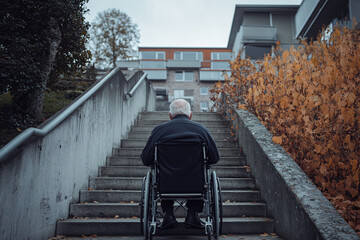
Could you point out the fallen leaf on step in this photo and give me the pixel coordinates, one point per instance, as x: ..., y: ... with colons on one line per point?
x: 277, y: 139
x: 96, y: 202
x: 264, y: 235
x: 116, y: 216
x: 57, y: 237
x: 90, y: 189
x: 92, y: 236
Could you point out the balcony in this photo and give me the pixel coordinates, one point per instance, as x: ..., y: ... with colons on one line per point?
x: 213, y: 76
x: 183, y: 64
x: 258, y: 34
x: 154, y: 75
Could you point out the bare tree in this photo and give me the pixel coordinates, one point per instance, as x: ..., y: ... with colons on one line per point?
x: 113, y: 36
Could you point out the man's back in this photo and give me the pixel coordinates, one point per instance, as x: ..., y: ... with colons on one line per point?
x: 177, y: 126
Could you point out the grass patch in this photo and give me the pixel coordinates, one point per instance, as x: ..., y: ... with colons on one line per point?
x: 53, y: 102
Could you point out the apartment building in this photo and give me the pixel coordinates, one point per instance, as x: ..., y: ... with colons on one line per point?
x: 257, y: 28
x: 314, y: 14
x: 187, y: 73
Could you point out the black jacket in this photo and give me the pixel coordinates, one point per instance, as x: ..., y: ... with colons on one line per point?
x: 179, y: 124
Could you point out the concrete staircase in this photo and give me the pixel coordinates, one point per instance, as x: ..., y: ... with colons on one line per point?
x: 110, y: 207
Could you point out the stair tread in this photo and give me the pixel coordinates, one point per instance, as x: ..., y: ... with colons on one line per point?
x: 136, y: 220
x: 137, y: 204
x: 138, y: 190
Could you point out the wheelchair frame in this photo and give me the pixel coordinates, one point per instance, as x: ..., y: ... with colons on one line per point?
x: 150, y: 197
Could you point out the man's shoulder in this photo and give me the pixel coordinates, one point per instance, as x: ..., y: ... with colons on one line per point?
x: 179, y: 122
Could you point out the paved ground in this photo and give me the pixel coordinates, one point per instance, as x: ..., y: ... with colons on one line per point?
x: 227, y: 237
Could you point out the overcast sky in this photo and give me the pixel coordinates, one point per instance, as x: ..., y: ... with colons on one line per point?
x: 179, y: 23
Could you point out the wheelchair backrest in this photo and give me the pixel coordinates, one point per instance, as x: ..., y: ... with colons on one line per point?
x: 180, y: 162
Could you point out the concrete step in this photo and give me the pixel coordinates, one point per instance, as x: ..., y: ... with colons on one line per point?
x: 135, y: 183
x: 135, y: 152
x: 224, y: 136
x: 140, y: 171
x: 212, y: 129
x: 262, y: 236
x: 140, y: 143
x: 136, y: 161
x: 123, y: 226
x: 116, y: 196
x: 124, y: 210
x: 196, y: 116
x: 206, y: 123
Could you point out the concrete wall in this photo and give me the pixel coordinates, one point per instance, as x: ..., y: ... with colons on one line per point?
x: 299, y: 209
x: 39, y: 182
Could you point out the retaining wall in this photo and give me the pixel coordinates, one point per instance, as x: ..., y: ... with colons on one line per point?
x: 299, y: 209
x: 38, y: 183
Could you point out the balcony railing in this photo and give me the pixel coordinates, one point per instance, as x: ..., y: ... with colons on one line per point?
x: 258, y: 34
x: 213, y: 75
x: 156, y: 74
x: 183, y: 64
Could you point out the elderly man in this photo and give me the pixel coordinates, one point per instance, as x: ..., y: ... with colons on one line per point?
x: 180, y: 115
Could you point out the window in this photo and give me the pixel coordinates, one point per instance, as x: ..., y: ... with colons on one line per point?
x: 161, y: 91
x: 184, y: 76
x: 188, y: 56
x: 220, y: 55
x: 203, y: 90
x: 152, y: 55
x: 156, y: 74
x: 181, y: 93
x: 153, y: 64
x: 220, y: 65
x: 204, y: 106
x: 257, y: 52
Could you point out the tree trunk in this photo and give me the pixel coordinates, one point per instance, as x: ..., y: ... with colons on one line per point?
x: 36, y: 98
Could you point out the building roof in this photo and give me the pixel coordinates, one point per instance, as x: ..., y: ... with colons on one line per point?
x: 240, y: 9
x: 183, y: 48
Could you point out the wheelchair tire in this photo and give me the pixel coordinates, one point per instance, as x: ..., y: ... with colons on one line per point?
x: 215, y: 205
x: 142, y: 207
x: 150, y: 233
x: 144, y: 221
x: 208, y: 232
x: 220, y: 207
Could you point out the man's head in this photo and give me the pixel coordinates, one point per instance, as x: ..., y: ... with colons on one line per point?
x: 180, y: 107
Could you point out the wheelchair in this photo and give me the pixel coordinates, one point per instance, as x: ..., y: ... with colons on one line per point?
x: 180, y: 172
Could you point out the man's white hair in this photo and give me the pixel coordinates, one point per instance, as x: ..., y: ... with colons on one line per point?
x: 180, y: 107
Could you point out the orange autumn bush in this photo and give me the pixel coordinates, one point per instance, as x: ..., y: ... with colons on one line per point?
x: 309, y: 99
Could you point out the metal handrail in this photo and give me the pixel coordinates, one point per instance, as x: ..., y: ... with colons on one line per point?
x: 29, y: 133
x: 131, y: 93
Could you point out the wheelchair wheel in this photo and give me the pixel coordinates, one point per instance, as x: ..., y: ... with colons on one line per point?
x: 220, y: 207
x: 142, y: 207
x: 208, y: 232
x: 145, y: 210
x: 150, y: 233
x: 216, y: 205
